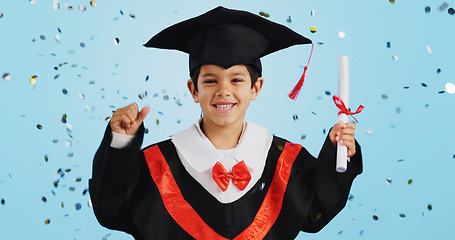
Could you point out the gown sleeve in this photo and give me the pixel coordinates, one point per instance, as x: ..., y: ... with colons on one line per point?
x: 116, y: 173
x: 331, y: 188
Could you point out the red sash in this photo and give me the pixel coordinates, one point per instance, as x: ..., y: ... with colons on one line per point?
x: 189, y: 219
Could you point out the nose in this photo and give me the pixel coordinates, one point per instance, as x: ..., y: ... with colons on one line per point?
x: 224, y: 89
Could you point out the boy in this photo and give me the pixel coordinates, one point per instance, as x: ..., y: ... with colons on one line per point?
x: 224, y: 177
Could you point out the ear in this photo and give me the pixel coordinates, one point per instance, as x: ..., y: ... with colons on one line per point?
x: 193, y: 92
x: 257, y: 88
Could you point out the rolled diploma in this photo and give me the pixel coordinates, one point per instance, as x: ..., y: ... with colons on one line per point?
x: 343, y: 93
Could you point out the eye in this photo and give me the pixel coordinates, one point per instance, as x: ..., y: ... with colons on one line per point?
x: 209, y: 81
x: 237, y: 80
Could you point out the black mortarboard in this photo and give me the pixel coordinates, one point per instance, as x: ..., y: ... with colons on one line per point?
x: 226, y: 37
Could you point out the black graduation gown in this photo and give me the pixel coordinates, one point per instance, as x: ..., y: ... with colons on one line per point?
x: 126, y: 198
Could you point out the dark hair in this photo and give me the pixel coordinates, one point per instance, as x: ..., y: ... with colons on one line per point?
x: 252, y: 70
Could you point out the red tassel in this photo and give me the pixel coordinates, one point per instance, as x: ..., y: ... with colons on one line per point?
x: 295, y: 92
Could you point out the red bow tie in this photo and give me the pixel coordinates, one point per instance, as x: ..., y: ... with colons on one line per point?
x: 240, y: 175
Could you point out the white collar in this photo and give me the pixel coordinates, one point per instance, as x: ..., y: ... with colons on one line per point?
x: 202, y: 155
x: 198, y: 156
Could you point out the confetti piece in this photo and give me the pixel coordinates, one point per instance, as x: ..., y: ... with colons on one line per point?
x: 430, y: 207
x: 82, y: 45
x: 84, y: 192
x: 64, y: 118
x: 328, y: 93
x: 395, y: 58
x: 388, y: 181
x: 47, y: 221
x: 388, y: 44
x: 354, y: 220
x: 429, y: 49
x: 451, y: 11
x: 81, y: 95
x: 289, y: 19
x: 443, y: 6
x: 3, y: 202
x: 424, y: 85
x: 303, y: 137
x: 402, y: 215
x: 438, y: 70
x: 427, y: 9
x: 313, y: 29
x: 280, y: 147
x: 93, y: 3
x: 368, y: 131
x: 72, y: 189
x: 392, y: 1
x: 312, y: 12
x: 7, y: 76
x: 450, y: 88
x: 56, y: 5
x: 69, y: 7
x: 375, y: 217
x: 384, y: 96
x: 132, y: 15
x: 264, y: 14
x: 341, y: 34
x: 165, y: 97
x: 32, y: 2
x: 46, y: 158
x: 39, y: 126
x: 295, y: 117
x: 68, y: 143
x: 44, y: 199
x: 82, y: 8
x: 33, y: 79
x: 1, y: 14
x: 64, y: 91
x: 78, y: 179
x: 116, y: 41
x: 42, y: 37
x: 410, y: 181
x: 78, y: 206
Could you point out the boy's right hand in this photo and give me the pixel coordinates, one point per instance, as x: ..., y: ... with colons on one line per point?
x: 127, y: 120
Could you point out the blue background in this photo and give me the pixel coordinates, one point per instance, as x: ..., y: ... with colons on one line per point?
x: 406, y: 130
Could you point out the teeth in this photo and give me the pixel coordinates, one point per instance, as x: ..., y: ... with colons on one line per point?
x: 224, y: 107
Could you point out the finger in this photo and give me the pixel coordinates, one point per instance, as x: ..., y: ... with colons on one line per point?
x: 141, y: 116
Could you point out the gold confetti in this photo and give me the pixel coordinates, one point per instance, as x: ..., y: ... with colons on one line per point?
x: 264, y: 14
x: 313, y: 29
x: 33, y: 79
x: 47, y: 221
x: 132, y: 15
x: 280, y: 148
x: 93, y: 3
x: 410, y: 181
x: 430, y: 207
x: 392, y: 1
x: 78, y: 179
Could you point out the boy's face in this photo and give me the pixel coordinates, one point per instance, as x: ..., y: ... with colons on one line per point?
x: 224, y: 94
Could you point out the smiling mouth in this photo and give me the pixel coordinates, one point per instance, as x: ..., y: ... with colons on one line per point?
x: 224, y: 106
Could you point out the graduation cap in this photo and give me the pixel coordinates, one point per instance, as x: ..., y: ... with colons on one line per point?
x: 226, y: 37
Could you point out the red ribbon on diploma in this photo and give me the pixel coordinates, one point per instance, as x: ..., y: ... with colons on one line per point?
x: 343, y: 109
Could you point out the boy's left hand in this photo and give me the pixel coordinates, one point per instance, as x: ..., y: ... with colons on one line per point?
x: 344, y: 134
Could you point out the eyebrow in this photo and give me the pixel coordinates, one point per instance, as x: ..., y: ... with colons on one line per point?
x: 235, y: 73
